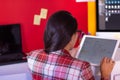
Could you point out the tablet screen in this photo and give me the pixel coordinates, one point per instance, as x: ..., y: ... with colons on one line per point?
x: 94, y: 49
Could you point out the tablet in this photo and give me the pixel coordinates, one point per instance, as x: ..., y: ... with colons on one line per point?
x: 93, y: 49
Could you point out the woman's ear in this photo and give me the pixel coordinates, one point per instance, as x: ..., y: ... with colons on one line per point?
x: 72, y: 42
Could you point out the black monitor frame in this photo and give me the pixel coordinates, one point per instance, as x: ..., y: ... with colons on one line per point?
x: 18, y: 55
x: 97, y: 20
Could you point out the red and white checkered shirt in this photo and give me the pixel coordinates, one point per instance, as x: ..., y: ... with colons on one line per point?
x: 58, y: 65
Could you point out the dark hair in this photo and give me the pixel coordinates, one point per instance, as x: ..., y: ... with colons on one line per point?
x: 59, y: 30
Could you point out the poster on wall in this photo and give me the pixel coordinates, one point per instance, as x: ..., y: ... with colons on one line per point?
x: 38, y: 17
x: 84, y: 0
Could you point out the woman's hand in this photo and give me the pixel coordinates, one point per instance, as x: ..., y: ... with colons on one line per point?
x: 106, y: 67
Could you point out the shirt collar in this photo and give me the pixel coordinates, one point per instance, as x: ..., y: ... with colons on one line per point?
x: 62, y: 52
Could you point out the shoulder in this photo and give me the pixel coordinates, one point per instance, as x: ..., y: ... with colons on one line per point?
x: 34, y: 57
x: 35, y: 52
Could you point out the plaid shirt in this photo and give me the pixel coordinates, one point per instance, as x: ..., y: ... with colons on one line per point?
x: 58, y: 65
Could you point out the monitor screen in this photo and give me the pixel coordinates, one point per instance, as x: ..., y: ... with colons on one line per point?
x: 108, y: 15
x: 10, y: 43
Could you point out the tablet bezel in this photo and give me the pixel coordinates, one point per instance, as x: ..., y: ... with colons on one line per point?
x: 90, y: 36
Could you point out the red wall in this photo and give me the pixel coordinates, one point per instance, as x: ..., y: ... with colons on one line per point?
x: 23, y: 11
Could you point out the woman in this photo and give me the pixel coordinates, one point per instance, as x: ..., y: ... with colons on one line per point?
x: 57, y: 61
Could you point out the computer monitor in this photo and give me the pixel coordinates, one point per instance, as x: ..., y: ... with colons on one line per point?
x: 108, y: 18
x: 10, y: 43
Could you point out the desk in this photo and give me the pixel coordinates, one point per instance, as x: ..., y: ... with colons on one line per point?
x: 18, y: 71
x: 116, y: 71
